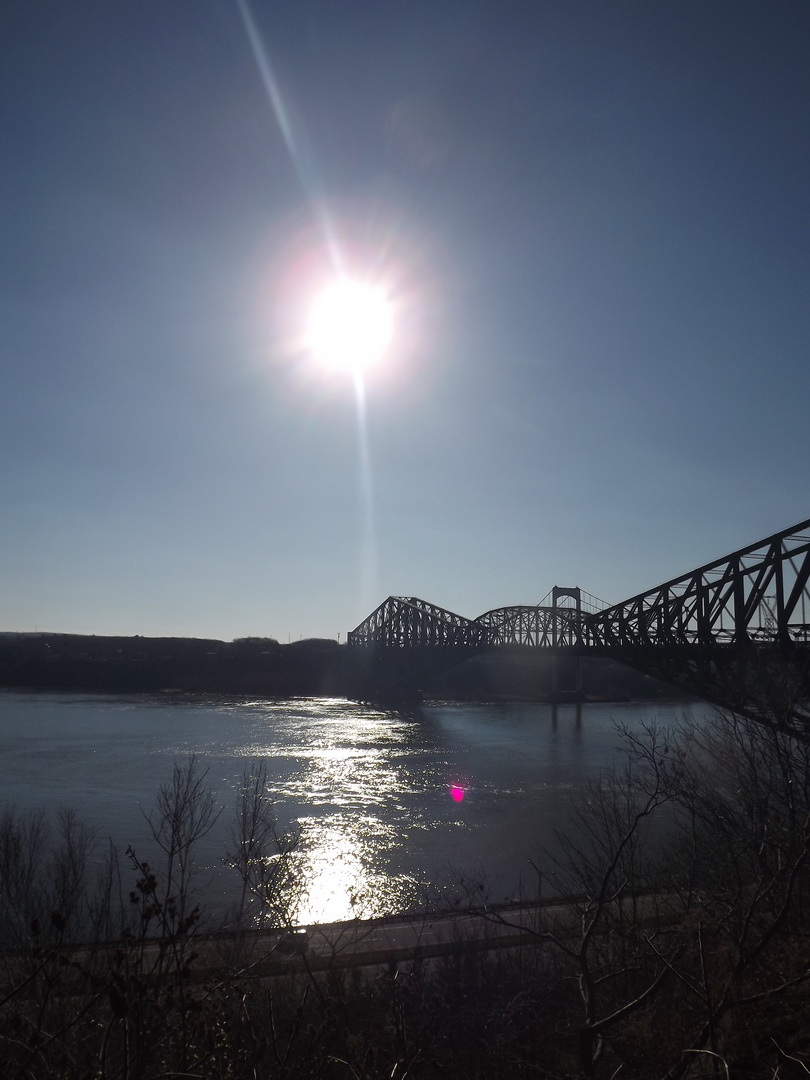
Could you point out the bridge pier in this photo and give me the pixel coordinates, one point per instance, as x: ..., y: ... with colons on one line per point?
x: 558, y: 694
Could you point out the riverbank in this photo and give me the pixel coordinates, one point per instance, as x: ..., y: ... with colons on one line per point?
x: 311, y: 668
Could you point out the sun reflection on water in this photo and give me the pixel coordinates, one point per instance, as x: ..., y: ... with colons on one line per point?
x: 357, y: 782
x: 336, y: 864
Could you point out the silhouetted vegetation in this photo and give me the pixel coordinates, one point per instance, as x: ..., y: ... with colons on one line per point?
x: 314, y: 667
x: 146, y: 665
x: 682, y: 951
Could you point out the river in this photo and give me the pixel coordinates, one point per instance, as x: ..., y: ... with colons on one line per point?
x: 389, y: 805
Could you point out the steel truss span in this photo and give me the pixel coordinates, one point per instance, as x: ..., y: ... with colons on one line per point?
x: 537, y: 626
x: 757, y: 595
x: 408, y: 622
x: 735, y: 631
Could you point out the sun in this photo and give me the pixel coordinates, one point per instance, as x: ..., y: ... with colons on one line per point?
x: 350, y: 326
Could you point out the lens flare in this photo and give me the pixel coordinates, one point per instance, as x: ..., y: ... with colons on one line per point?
x: 456, y: 792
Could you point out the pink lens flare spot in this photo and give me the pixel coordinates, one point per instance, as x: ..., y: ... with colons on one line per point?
x: 456, y: 792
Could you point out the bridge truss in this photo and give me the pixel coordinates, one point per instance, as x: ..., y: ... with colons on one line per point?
x: 758, y: 594
x: 735, y: 631
x: 408, y: 622
x: 535, y: 626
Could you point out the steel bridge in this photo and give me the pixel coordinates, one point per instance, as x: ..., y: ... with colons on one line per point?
x: 735, y: 631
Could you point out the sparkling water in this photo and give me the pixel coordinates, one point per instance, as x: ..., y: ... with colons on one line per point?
x: 390, y: 806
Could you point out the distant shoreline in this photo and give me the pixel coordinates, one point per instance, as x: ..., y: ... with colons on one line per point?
x: 315, y: 667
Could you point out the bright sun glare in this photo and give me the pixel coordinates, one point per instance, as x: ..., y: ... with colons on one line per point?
x: 350, y: 326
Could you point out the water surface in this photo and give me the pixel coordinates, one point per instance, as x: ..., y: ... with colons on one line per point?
x: 371, y: 791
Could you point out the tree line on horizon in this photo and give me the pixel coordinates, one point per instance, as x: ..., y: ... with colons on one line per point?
x: 316, y: 667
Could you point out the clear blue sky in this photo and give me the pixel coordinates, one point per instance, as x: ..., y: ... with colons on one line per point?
x: 599, y: 213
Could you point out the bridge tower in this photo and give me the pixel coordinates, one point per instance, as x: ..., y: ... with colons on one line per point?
x: 576, y: 594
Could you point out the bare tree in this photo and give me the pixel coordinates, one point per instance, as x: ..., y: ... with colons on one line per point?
x: 741, y: 868
x: 184, y: 812
x: 613, y: 929
x: 261, y: 855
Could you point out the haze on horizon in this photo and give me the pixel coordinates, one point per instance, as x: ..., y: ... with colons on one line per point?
x: 592, y: 224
